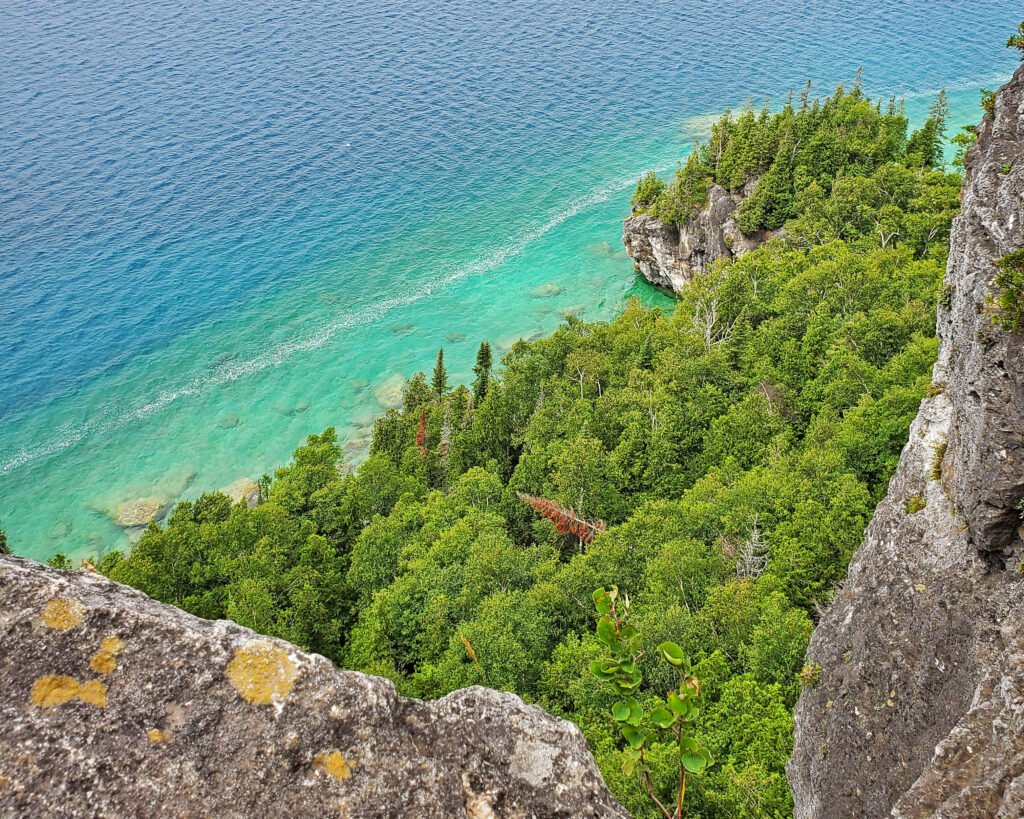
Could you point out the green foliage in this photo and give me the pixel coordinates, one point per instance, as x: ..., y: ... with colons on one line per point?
x: 673, y: 718
x: 482, y: 371
x: 4, y: 548
x: 60, y: 561
x: 988, y: 103
x: 938, y: 456
x: 1017, y: 40
x: 648, y: 189
x: 1007, y: 304
x: 736, y: 449
x: 964, y: 140
x: 914, y: 504
x: 439, y: 381
x: 810, y: 675
x: 788, y: 152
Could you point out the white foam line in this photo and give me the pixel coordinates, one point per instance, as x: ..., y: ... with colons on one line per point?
x: 70, y: 435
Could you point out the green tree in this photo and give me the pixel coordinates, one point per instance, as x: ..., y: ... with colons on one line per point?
x: 439, y: 381
x: 482, y: 371
x: 4, y: 548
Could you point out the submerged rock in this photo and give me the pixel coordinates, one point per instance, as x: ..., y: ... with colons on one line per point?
x: 116, y: 705
x: 391, y: 392
x: 669, y: 255
x: 547, y: 291
x: 243, y: 489
x: 919, y: 711
x: 139, y: 512
x: 229, y: 421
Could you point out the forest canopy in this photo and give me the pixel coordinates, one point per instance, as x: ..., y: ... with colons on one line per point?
x: 732, y: 451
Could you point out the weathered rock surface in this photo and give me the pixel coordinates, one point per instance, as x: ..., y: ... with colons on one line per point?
x: 115, y: 705
x: 919, y: 711
x: 139, y: 512
x: 669, y: 256
x: 243, y: 489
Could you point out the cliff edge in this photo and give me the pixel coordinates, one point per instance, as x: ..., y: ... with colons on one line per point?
x: 919, y: 709
x: 116, y: 705
x: 669, y: 255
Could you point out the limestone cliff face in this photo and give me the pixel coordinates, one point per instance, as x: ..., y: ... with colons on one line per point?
x: 920, y: 706
x: 669, y: 255
x: 115, y: 705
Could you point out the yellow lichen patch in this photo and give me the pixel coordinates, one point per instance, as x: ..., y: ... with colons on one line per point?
x: 93, y: 692
x: 262, y: 672
x: 156, y: 736
x: 334, y: 763
x: 54, y: 690
x: 105, y: 660
x: 62, y: 614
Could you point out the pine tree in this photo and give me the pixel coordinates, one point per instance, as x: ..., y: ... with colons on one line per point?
x: 482, y: 370
x: 440, y: 379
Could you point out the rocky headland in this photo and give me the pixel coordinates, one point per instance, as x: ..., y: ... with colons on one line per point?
x: 670, y: 255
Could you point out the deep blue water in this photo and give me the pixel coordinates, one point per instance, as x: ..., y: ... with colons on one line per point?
x: 215, y: 204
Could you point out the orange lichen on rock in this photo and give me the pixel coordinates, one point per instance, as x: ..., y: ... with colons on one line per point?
x: 62, y: 614
x: 262, y: 672
x: 57, y: 689
x: 93, y: 692
x: 105, y: 660
x: 334, y: 763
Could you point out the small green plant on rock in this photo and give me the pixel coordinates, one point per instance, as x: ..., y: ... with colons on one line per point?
x: 913, y: 504
x: 639, y: 726
x: 810, y: 674
x: 988, y: 103
x: 938, y: 454
x: 648, y: 189
x: 1006, y: 306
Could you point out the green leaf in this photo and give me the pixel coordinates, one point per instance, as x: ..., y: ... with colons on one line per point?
x: 662, y: 717
x: 680, y: 706
x: 606, y: 632
x: 597, y: 668
x: 621, y: 711
x: 694, y: 763
x: 673, y: 653
x: 603, y: 601
x: 636, y: 711
x: 634, y: 737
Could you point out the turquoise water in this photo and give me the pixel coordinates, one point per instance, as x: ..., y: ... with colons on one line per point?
x: 224, y: 227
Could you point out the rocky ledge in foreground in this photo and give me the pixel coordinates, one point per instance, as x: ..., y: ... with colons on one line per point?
x: 670, y: 255
x: 116, y: 705
x: 919, y: 711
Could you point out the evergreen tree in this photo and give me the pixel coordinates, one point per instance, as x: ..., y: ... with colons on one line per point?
x: 440, y: 380
x: 4, y: 548
x: 482, y: 370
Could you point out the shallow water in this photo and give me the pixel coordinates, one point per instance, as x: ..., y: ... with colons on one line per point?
x: 224, y: 226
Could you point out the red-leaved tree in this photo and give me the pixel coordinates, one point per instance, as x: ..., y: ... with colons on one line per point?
x: 566, y: 521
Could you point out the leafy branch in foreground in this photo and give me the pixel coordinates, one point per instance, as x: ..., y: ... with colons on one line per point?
x: 639, y: 726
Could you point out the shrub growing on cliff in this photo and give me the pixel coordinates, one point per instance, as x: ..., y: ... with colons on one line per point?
x: 1007, y: 303
x: 1017, y: 40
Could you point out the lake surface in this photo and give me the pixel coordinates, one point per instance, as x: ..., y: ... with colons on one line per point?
x: 224, y: 225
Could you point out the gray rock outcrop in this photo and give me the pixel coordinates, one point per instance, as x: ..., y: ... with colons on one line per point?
x: 669, y: 255
x: 116, y: 705
x: 919, y: 711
